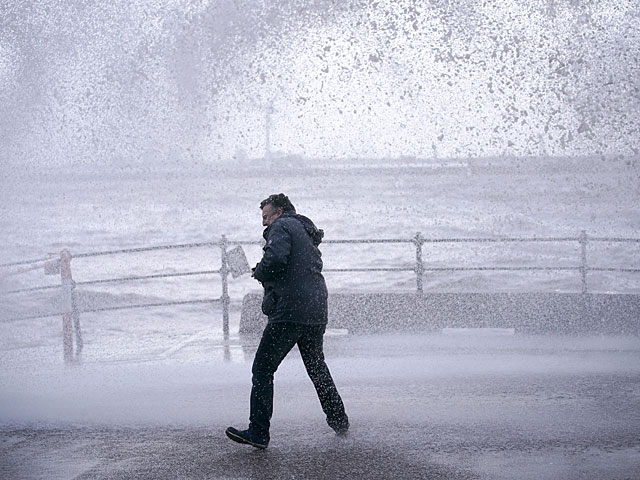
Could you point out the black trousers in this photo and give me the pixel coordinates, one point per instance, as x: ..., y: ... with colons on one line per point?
x: 277, y: 341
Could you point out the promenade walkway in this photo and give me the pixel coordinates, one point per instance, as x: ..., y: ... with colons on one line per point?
x: 422, y: 406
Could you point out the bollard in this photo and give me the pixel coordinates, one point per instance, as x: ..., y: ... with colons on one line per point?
x: 67, y: 304
x: 76, y: 321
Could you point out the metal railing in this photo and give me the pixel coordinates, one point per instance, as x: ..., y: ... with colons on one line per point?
x: 71, y: 315
x: 419, y: 241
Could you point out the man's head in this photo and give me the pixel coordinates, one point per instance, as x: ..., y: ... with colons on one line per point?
x: 273, y: 206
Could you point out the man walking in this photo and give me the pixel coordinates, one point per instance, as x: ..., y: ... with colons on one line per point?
x: 295, y: 301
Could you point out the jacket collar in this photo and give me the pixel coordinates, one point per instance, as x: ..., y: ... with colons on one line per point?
x: 315, y: 233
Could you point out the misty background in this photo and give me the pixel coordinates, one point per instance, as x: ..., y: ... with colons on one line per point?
x: 186, y: 82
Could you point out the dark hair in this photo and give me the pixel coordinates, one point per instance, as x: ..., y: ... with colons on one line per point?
x: 278, y: 200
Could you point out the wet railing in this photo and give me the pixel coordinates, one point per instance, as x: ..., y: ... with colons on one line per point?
x: 419, y: 241
x: 71, y: 312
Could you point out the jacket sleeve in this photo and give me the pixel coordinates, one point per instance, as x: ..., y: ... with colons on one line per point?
x: 276, y: 254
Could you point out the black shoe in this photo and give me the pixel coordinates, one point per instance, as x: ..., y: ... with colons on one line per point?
x: 341, y: 428
x: 246, y: 437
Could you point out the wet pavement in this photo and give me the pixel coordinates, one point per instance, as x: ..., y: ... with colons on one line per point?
x: 433, y: 407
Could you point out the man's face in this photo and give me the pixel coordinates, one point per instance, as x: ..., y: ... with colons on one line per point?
x: 269, y: 214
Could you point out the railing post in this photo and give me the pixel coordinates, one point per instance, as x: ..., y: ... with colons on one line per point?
x: 67, y: 304
x: 75, y: 316
x: 583, y: 259
x: 224, y: 273
x: 418, y: 240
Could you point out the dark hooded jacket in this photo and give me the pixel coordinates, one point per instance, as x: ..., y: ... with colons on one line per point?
x: 291, y: 271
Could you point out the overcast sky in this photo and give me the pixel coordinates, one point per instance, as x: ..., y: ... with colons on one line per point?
x: 192, y: 81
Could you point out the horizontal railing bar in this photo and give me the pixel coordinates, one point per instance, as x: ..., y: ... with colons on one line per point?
x: 26, y: 262
x: 613, y: 239
x: 150, y: 305
x: 460, y: 269
x: 31, y: 317
x: 499, y: 240
x: 335, y: 270
x: 116, y: 280
x: 146, y: 277
x: 379, y: 240
x: 457, y: 240
x: 33, y: 289
x: 628, y: 270
x: 329, y: 241
x: 166, y: 247
x: 398, y: 269
x: 442, y: 269
x: 146, y: 249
